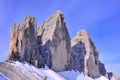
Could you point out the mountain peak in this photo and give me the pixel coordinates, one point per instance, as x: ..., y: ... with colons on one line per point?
x: 58, y: 12
x: 54, y: 37
x: 83, y: 50
x: 82, y: 32
x: 23, y: 45
x: 58, y: 15
x: 29, y: 18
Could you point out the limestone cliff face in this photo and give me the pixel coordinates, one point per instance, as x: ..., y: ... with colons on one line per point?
x: 23, y: 42
x: 84, y: 54
x: 54, y: 42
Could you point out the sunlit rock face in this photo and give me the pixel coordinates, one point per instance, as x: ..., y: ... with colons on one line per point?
x: 54, y: 42
x: 23, y: 42
x: 84, y: 54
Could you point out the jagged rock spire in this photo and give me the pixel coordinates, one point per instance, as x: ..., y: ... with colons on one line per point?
x: 84, y: 55
x: 23, y: 42
x: 54, y: 42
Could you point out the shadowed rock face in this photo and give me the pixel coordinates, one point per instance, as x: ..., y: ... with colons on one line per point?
x: 84, y: 55
x: 102, y: 69
x: 113, y: 76
x: 54, y: 42
x: 23, y: 42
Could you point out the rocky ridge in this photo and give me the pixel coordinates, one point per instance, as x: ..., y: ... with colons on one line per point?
x: 50, y: 44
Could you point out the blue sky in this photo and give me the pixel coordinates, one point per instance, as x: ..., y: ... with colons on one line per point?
x: 101, y: 19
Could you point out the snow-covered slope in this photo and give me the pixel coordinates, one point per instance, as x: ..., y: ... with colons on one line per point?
x: 72, y: 75
x: 31, y: 73
x: 51, y: 75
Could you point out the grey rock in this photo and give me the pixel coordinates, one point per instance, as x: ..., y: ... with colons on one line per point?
x: 23, y: 42
x: 54, y: 42
x: 102, y: 70
x: 84, y: 55
x: 113, y: 76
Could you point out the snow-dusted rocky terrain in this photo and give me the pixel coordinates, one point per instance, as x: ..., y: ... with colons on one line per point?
x: 50, y: 45
x: 44, y: 73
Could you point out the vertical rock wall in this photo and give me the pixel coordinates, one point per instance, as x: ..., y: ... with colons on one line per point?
x: 84, y: 54
x: 54, y: 42
x: 23, y: 42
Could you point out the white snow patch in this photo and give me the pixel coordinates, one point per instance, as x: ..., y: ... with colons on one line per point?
x: 82, y: 77
x: 69, y: 75
x: 73, y: 75
x: 51, y: 75
x: 113, y: 78
x: 25, y: 67
x: 101, y: 78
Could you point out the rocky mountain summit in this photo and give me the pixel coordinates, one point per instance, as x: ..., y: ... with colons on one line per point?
x: 23, y: 42
x: 54, y: 42
x: 50, y: 45
x: 84, y: 54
